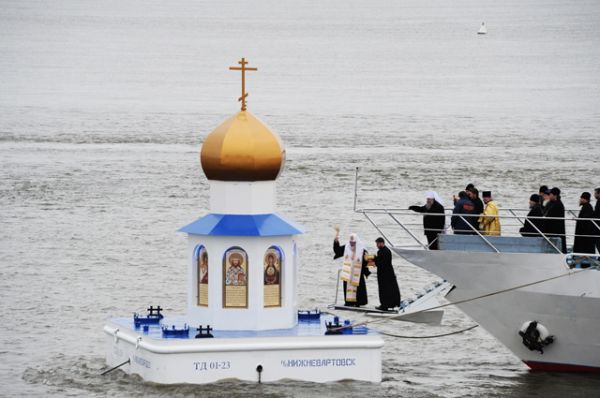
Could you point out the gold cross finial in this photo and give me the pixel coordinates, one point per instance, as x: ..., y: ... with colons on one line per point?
x: 243, y: 68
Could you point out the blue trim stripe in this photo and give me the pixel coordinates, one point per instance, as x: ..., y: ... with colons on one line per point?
x: 242, y: 225
x: 197, y: 251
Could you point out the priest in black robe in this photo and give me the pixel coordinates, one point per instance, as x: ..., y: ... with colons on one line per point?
x: 554, y: 221
x: 353, y: 247
x: 597, y: 218
x: 434, y: 220
x: 584, y: 229
x: 389, y: 293
x: 534, y: 222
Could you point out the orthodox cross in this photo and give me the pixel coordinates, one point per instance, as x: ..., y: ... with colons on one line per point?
x: 155, y: 311
x: 243, y: 68
x: 204, y: 332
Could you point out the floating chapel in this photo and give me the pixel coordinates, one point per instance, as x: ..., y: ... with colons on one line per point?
x: 242, y: 319
x: 244, y: 257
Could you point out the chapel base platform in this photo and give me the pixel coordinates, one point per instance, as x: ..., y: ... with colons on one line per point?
x: 300, y: 353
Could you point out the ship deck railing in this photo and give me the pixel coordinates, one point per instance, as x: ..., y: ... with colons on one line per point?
x: 403, y: 228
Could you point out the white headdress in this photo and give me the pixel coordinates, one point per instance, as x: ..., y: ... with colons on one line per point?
x: 434, y: 195
x: 359, y: 245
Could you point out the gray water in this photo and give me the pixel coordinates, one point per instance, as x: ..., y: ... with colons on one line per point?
x: 104, y: 106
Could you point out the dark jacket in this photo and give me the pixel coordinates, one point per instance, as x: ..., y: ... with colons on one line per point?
x: 553, y: 226
x: 431, y: 224
x: 597, y: 217
x: 585, y: 244
x: 528, y: 229
x: 478, y: 205
x: 389, y: 293
x: 465, y: 208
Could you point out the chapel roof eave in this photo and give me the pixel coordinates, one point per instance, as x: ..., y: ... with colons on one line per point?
x: 214, y: 224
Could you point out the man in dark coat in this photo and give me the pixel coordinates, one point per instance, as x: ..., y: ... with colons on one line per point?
x: 535, y: 211
x: 434, y: 219
x: 544, y: 190
x: 389, y: 293
x: 584, y: 230
x: 545, y: 200
x: 353, y: 246
x: 473, y: 194
x: 597, y: 218
x: 554, y: 221
x: 467, y: 188
x: 462, y: 223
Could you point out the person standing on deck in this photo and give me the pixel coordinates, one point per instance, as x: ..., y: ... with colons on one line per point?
x: 554, y: 222
x: 489, y: 222
x: 473, y: 194
x: 389, y: 293
x: 597, y: 217
x: 354, y: 269
x: 584, y: 230
x: 461, y: 219
x: 457, y: 198
x: 545, y: 201
x: 434, y: 220
x: 533, y: 220
x: 542, y: 191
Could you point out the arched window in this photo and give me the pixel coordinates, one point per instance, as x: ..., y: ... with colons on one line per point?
x: 235, y: 278
x: 272, y: 276
x: 201, y: 260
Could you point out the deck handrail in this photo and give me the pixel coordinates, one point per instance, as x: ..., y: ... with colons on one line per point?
x: 394, y: 214
x: 449, y: 211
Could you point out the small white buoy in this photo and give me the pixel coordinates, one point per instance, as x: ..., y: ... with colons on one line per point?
x: 482, y: 29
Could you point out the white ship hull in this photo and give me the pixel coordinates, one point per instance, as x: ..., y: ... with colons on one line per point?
x: 568, y: 306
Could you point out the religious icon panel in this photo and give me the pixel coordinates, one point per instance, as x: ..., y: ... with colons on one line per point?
x: 201, y: 257
x: 272, y: 266
x: 235, y: 278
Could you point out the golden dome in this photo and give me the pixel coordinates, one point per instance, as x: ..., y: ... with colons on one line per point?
x: 242, y: 148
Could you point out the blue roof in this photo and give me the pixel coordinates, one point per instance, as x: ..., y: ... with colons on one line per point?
x: 242, y: 225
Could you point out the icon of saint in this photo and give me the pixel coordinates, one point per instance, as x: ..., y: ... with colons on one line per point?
x: 236, y: 276
x: 203, y: 268
x: 271, y: 272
